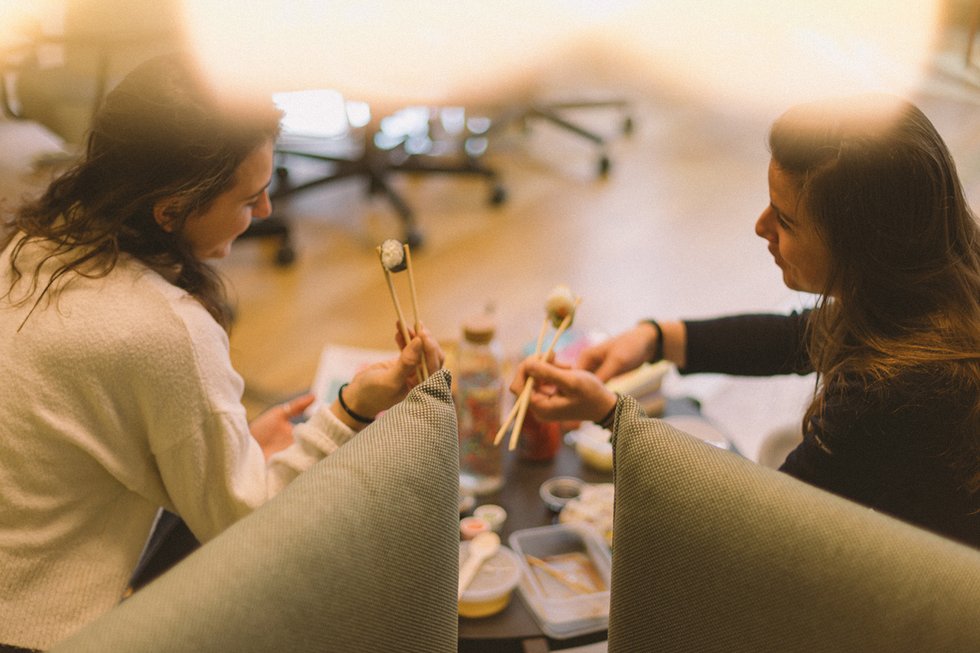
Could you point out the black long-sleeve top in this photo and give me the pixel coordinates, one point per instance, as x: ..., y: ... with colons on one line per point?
x: 885, y: 446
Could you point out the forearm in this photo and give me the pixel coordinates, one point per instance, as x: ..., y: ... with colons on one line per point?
x: 665, y: 340
x: 748, y: 345
x: 314, y: 440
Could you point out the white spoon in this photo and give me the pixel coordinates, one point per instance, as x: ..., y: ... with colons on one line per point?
x: 483, y: 546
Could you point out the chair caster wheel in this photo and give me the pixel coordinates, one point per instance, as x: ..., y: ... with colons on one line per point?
x: 498, y: 196
x: 628, y: 126
x: 413, y: 238
x: 604, y: 165
x: 285, y: 256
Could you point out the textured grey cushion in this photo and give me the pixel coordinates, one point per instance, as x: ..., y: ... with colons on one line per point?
x: 360, y: 553
x: 712, y: 552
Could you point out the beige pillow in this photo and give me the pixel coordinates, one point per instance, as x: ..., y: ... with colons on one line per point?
x: 360, y: 553
x: 712, y: 552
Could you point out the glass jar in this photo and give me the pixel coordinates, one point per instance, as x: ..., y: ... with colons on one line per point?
x: 479, y: 394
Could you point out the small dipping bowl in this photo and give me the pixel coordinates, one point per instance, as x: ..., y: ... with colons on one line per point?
x: 470, y: 527
x: 493, y: 585
x: 493, y: 514
x: 558, y: 491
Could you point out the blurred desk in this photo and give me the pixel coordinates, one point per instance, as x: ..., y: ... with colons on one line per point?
x: 514, y: 629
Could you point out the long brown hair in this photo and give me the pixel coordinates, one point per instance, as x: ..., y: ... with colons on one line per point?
x: 160, y: 134
x: 903, y: 294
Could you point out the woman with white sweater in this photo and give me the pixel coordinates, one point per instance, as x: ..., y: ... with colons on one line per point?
x: 119, y: 397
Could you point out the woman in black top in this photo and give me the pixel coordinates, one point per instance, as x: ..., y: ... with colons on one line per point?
x: 867, y: 212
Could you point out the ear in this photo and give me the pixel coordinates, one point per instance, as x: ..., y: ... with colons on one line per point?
x: 165, y: 212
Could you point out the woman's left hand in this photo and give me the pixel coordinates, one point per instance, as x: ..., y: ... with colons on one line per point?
x: 273, y: 429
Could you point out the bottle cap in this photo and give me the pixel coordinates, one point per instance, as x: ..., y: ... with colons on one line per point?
x: 479, y: 330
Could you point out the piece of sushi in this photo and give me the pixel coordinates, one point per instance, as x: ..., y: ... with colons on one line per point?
x: 559, y: 304
x: 393, y: 255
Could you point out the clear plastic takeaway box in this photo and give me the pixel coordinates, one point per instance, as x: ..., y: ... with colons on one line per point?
x: 565, y: 578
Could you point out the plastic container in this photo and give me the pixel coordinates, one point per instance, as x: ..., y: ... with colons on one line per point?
x: 493, y: 514
x: 593, y: 446
x: 479, y: 392
x: 561, y: 611
x: 470, y: 527
x: 491, y: 589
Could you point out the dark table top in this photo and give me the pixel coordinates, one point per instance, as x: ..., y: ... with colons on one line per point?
x: 515, y: 626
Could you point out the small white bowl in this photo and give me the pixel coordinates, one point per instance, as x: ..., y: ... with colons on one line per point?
x: 558, y: 491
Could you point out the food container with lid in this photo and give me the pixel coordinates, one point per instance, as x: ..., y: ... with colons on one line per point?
x: 490, y: 590
x: 565, y: 577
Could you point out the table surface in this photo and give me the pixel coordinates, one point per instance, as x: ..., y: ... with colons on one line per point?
x: 509, y: 629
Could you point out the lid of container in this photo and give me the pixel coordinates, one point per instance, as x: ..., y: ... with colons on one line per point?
x: 498, y: 575
x: 479, y: 329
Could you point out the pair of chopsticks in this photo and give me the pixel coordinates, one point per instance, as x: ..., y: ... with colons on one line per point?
x: 519, y: 410
x: 560, y: 576
x: 404, y: 264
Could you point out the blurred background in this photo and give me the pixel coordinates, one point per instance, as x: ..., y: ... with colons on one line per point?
x: 617, y: 147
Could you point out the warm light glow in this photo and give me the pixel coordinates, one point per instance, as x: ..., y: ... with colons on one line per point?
x: 20, y: 20
x: 776, y: 52
x: 418, y: 51
x: 751, y: 54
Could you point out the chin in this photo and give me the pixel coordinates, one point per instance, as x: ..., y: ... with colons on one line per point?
x: 216, y: 252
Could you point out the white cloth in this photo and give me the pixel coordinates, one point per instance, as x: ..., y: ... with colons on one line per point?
x: 117, y: 396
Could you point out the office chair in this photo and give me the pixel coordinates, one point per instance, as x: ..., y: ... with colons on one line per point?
x: 556, y: 113
x: 343, y: 140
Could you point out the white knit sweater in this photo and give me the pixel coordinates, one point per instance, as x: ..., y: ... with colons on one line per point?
x: 117, y: 397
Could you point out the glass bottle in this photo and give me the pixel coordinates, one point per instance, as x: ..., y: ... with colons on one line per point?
x: 539, y: 441
x: 479, y: 395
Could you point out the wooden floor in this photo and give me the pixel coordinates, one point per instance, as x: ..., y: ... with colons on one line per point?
x: 668, y: 233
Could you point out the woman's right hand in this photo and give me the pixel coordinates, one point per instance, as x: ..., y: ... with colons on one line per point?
x: 621, y: 353
x: 380, y: 386
x: 561, y: 393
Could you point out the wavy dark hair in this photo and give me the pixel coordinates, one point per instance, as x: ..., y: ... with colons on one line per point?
x: 161, y: 134
x: 903, y: 294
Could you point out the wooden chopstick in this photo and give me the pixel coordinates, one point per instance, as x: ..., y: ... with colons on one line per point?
x: 560, y: 576
x: 415, y: 303
x: 398, y: 307
x: 525, y: 397
x: 525, y: 390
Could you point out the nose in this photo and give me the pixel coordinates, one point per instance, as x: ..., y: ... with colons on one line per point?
x: 263, y: 209
x: 763, y: 226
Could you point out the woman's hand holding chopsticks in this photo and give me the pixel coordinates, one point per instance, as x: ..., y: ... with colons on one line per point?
x: 563, y: 393
x: 380, y: 386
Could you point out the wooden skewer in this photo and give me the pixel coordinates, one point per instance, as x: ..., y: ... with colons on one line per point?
x: 529, y: 384
x: 525, y: 390
x: 560, y: 576
x: 415, y: 303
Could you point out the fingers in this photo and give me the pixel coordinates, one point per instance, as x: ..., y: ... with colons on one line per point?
x: 411, y: 356
x: 434, y: 356
x: 608, y: 369
x: 296, y: 407
x: 591, y: 359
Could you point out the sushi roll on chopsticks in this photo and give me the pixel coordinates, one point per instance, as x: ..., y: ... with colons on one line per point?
x: 396, y: 257
x: 559, y: 309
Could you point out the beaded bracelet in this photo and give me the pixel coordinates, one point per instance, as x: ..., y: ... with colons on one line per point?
x: 658, y: 352
x: 353, y: 415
